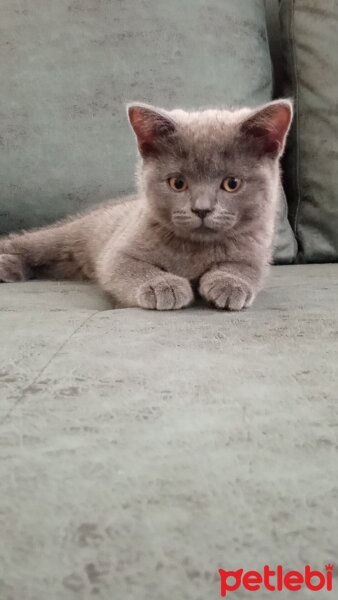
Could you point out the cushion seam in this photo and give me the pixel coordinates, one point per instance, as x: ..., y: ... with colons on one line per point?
x: 297, y: 116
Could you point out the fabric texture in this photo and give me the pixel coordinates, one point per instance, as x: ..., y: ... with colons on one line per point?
x: 141, y: 451
x: 310, y: 43
x: 68, y: 68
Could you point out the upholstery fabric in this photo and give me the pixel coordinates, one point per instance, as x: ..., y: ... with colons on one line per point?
x: 141, y: 451
x: 310, y: 43
x: 68, y: 68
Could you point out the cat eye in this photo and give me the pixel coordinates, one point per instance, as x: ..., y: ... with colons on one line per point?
x: 231, y: 184
x: 178, y: 184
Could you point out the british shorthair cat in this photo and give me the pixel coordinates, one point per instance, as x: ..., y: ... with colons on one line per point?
x: 202, y: 220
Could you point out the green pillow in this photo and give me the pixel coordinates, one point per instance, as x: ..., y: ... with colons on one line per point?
x: 68, y: 68
x: 310, y: 42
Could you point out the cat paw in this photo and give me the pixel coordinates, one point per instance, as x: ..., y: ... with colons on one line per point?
x: 226, y: 291
x: 12, y: 268
x: 165, y: 293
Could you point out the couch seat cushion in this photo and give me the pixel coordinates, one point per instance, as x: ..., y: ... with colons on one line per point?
x: 141, y: 451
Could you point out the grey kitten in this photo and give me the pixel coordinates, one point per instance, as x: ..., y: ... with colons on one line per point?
x: 203, y: 217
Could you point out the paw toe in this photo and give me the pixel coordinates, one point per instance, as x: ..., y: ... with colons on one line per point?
x: 225, y: 293
x: 163, y: 294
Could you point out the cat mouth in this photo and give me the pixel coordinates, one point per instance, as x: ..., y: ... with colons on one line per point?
x: 205, y: 228
x: 200, y: 228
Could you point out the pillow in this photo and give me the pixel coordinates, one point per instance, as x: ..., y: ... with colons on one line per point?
x: 70, y: 66
x: 310, y: 48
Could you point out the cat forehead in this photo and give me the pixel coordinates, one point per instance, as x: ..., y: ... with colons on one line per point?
x: 210, y: 119
x: 208, y: 140
x: 210, y: 128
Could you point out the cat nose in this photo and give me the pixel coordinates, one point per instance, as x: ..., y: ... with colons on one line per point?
x: 201, y: 213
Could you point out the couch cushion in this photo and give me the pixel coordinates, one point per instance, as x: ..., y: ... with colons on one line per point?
x: 141, y: 451
x: 70, y: 66
x: 310, y: 42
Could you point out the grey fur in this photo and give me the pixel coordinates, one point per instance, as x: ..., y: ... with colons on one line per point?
x: 152, y: 251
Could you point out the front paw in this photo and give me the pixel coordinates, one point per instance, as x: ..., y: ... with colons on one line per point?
x: 169, y: 292
x: 226, y: 290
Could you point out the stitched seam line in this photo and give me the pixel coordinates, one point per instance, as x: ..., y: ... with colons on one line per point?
x: 297, y: 119
x: 272, y: 73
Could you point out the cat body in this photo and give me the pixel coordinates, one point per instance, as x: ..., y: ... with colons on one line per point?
x: 203, y: 217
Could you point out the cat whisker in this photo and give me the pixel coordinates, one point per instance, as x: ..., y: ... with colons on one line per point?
x: 223, y: 212
x: 183, y: 220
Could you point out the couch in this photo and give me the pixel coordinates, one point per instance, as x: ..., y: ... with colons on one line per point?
x: 142, y: 451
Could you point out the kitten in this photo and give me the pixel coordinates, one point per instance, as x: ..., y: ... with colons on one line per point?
x: 203, y: 217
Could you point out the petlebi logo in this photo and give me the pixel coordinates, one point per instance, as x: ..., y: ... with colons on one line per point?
x: 276, y: 580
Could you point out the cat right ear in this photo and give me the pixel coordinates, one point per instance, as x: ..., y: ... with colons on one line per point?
x: 152, y: 128
x: 269, y: 126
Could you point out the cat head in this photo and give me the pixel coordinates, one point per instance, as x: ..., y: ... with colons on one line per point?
x: 206, y: 173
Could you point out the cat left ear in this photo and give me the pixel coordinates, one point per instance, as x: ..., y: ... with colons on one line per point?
x: 151, y: 127
x: 269, y: 127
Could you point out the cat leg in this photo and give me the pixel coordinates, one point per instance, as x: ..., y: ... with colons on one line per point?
x: 135, y: 282
x: 14, y: 261
x: 231, y: 286
x: 13, y: 268
x: 24, y: 255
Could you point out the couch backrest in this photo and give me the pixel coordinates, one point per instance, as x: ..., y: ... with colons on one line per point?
x: 68, y: 68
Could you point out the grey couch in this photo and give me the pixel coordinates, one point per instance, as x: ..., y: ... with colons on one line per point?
x: 142, y: 451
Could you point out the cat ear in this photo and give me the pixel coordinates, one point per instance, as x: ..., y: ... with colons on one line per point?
x: 152, y: 128
x: 269, y: 126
